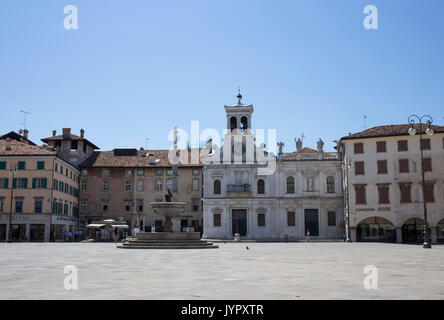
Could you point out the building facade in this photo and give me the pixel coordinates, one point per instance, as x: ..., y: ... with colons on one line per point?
x: 302, y: 195
x: 120, y: 185
x: 38, y: 193
x: 383, y: 178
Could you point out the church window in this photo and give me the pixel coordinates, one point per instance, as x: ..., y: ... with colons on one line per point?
x: 290, y: 185
x: 217, y: 187
x: 261, y: 187
x: 330, y: 184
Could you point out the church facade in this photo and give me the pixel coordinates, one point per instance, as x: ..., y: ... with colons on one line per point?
x: 302, y: 194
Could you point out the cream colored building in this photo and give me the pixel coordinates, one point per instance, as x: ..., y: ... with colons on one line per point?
x: 383, y: 168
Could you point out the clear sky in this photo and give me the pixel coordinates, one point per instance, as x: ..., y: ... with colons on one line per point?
x: 137, y: 68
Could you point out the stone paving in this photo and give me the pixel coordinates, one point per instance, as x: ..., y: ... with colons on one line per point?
x: 265, y: 271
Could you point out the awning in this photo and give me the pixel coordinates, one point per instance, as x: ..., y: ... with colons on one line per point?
x: 120, y: 226
x: 94, y: 226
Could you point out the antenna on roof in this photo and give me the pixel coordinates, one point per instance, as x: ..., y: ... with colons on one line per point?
x: 24, y: 120
x: 146, y: 143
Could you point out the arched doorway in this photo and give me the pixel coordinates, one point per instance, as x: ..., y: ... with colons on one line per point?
x: 440, y: 231
x: 376, y: 229
x: 412, y: 231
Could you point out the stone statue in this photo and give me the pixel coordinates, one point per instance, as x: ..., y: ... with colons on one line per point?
x: 168, y: 196
x: 298, y: 144
x: 281, y: 146
x: 320, y: 145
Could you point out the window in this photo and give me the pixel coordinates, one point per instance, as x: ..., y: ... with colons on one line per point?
x: 195, y: 205
x: 61, y: 169
x: 2, y: 165
x: 40, y: 165
x: 381, y: 146
x: 127, y: 205
x: 20, y: 183
x: 216, y: 220
x: 261, y: 186
x: 105, y: 205
x: 4, y: 182
x: 159, y: 173
x: 21, y: 165
x: 382, y: 166
x: 195, y: 185
x: 403, y: 165
x: 140, y: 173
x: 331, y: 217
x: 105, y: 185
x: 39, y: 183
x: 38, y: 206
x: 66, y: 172
x: 169, y: 172
x: 1, y: 205
x: 139, y: 206
x: 195, y: 172
x: 127, y: 185
x: 159, y: 184
x: 169, y: 184
x: 428, y: 192
x: 330, y: 184
x: 83, y: 185
x: 383, y: 191
x: 140, y: 185
x: 128, y: 173
x: 403, y: 145
x: 427, y: 164
x: 425, y: 144
x: 359, y: 147
x: 106, y: 173
x: 261, y: 219
x: 405, y: 193
x: 18, y: 206
x: 216, y: 187
x: 359, y: 168
x: 84, y: 172
x: 291, y: 219
x: 83, y: 206
x: 290, y: 185
x: 360, y: 194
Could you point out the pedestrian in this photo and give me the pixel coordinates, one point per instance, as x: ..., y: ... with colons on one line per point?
x: 136, y: 229
x: 70, y: 236
x: 308, y: 236
x: 65, y: 235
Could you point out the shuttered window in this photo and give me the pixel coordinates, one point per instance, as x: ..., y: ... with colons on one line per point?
x: 382, y: 166
x: 359, y: 147
x: 405, y: 193
x: 427, y: 164
x: 403, y: 165
x: 40, y: 165
x: 425, y: 144
x: 360, y: 195
x: 216, y: 220
x: 381, y: 146
x: 359, y: 167
x: 428, y: 192
x: 383, y: 191
x: 403, y: 145
x: 261, y: 220
x: 2, y: 165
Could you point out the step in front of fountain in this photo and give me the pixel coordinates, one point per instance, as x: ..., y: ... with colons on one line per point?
x: 167, y: 240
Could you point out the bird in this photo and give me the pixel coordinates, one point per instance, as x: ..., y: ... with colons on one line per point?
x: 247, y: 248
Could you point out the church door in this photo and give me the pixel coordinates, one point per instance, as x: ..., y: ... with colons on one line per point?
x: 312, y: 222
x: 240, y: 221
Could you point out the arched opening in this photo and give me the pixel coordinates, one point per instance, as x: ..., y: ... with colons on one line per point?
x: 217, y: 187
x: 376, y: 229
x: 290, y: 185
x: 244, y: 123
x: 261, y: 186
x: 440, y: 231
x: 233, y: 123
x: 412, y: 231
x: 330, y: 184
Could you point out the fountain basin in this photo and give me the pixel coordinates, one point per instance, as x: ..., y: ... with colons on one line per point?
x: 169, y: 209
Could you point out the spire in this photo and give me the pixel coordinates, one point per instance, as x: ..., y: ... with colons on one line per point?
x: 239, y: 97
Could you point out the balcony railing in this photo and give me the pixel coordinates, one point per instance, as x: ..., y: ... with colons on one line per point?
x: 239, y: 187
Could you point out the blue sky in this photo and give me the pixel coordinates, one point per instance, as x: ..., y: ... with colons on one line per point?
x: 135, y: 69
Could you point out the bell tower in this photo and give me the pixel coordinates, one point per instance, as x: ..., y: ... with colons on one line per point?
x: 239, y: 117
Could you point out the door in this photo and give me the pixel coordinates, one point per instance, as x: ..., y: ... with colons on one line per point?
x: 37, y: 232
x: 239, y: 221
x: 2, y: 232
x: 312, y: 222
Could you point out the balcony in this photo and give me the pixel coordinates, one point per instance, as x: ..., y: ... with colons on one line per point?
x: 239, y: 190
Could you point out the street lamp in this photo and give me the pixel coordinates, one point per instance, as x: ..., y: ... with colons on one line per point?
x: 346, y: 166
x: 428, y: 132
x: 12, y: 173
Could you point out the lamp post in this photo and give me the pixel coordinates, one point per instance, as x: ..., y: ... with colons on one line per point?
x: 12, y: 172
x: 428, y: 132
x: 346, y: 166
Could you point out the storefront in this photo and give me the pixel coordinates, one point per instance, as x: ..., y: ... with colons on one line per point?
x: 412, y: 231
x: 61, y: 228
x: 376, y: 229
x: 440, y: 231
x: 25, y: 228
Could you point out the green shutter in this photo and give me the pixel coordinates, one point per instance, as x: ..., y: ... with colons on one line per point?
x: 40, y: 165
x: 2, y: 165
x: 45, y: 183
x: 25, y: 183
x: 6, y: 183
x: 21, y: 165
x: 34, y: 182
x: 14, y: 183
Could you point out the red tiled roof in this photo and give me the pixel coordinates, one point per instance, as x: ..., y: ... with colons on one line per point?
x: 109, y: 159
x: 391, y: 130
x: 18, y: 148
x: 72, y: 137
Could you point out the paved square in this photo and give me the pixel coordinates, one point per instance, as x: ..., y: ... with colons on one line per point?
x: 265, y: 271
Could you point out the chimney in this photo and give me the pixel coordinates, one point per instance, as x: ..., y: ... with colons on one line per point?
x: 54, y: 132
x: 66, y: 133
x: 82, y: 133
x: 25, y: 133
x: 8, y: 146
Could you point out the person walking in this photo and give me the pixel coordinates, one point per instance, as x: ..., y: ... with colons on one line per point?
x: 308, y: 236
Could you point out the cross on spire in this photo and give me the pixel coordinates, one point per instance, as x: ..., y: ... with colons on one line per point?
x: 239, y: 96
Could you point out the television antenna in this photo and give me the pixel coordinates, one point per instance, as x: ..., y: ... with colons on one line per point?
x: 24, y: 120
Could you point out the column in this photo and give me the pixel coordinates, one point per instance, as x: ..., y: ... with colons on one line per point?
x: 353, y: 234
x: 433, y: 235
x: 398, y: 235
